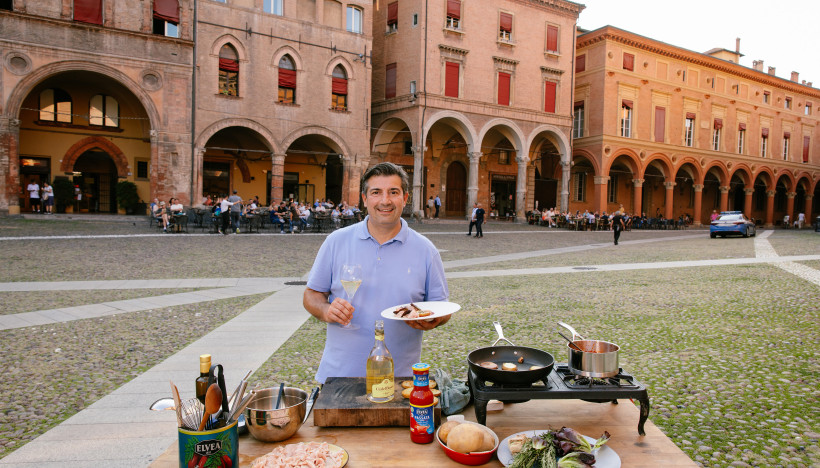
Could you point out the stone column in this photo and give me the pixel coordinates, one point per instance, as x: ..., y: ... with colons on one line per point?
x: 770, y: 208
x: 747, y: 202
x: 724, y: 197
x: 600, y: 193
x: 696, y: 216
x: 521, y: 187
x: 670, y: 199
x: 196, y: 184
x: 809, y: 219
x: 790, y: 205
x: 277, y: 181
x: 472, y: 181
x: 418, y: 181
x: 637, y: 196
x: 565, y: 174
x: 10, y: 164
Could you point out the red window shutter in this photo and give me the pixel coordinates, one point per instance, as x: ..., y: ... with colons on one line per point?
x: 629, y: 62
x: 718, y: 124
x: 580, y: 63
x: 390, y: 81
x: 626, y: 103
x: 503, y: 89
x: 451, y: 79
x: 660, y: 123
x: 339, y: 86
x: 552, y: 38
x: 787, y: 134
x: 549, y: 96
x: 393, y: 13
x: 454, y: 9
x: 167, y: 10
x: 227, y: 64
x: 505, y: 22
x: 764, y: 132
x: 806, y: 141
x: 690, y: 115
x: 88, y: 11
x: 741, y: 126
x: 287, y: 78
x: 578, y: 104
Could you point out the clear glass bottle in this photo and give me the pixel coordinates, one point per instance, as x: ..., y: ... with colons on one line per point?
x: 379, y: 385
x: 202, y: 380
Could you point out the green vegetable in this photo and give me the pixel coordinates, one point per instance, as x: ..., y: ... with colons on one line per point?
x: 577, y: 460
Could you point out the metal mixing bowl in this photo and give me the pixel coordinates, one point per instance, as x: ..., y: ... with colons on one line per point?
x: 273, y: 425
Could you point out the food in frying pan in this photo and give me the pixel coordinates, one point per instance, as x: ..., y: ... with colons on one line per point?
x: 489, y: 365
x: 508, y: 366
x: 521, y: 360
x: 536, y: 367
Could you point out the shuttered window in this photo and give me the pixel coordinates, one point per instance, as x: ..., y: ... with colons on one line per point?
x: 167, y: 10
x: 88, y: 11
x: 806, y: 141
x: 393, y: 16
x: 454, y: 9
x: 451, y: 79
x: 503, y: 89
x: 390, y: 81
x: 550, y: 88
x: 660, y: 123
x: 505, y: 22
x: 629, y: 62
x: 552, y: 38
x: 580, y: 63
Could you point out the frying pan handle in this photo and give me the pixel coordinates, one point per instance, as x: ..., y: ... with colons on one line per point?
x: 500, y: 332
x: 571, y: 330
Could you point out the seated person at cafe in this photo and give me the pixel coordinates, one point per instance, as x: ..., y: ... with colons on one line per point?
x: 250, y: 208
x: 162, y: 214
x: 281, y: 216
x: 334, y: 215
x: 295, y: 214
x: 176, y: 206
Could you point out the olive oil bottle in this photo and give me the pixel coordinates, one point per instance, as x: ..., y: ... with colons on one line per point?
x: 202, y: 380
x: 380, y: 369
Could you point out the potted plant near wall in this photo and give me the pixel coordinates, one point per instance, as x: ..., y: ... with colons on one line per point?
x: 127, y: 197
x: 63, y: 193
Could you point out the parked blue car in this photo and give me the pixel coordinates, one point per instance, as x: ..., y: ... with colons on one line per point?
x: 732, y: 222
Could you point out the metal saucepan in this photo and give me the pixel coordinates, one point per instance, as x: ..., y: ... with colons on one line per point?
x: 597, y: 358
x: 268, y: 424
x: 510, y: 354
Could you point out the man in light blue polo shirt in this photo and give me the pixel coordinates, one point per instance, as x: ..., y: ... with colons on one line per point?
x: 399, y: 266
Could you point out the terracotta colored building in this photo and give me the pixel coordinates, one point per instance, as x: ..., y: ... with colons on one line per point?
x: 662, y: 130
x: 97, y: 92
x: 474, y: 99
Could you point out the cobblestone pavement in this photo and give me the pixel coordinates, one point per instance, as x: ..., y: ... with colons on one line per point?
x: 702, y: 336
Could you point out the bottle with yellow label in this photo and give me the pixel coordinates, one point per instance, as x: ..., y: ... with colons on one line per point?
x: 380, y: 369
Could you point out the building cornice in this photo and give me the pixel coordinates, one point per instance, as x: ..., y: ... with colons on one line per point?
x: 452, y: 50
x: 562, y: 6
x: 610, y: 33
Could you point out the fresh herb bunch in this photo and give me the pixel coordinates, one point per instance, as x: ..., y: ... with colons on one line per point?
x: 544, y: 450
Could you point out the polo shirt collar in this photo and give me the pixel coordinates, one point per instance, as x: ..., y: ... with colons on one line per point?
x: 364, y: 233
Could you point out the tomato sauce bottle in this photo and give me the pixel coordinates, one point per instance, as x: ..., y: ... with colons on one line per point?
x: 422, y: 417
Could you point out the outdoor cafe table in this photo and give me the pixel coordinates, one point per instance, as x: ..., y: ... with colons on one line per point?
x: 391, y: 446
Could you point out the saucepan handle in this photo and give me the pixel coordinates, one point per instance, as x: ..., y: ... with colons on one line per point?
x: 500, y: 332
x: 575, y: 334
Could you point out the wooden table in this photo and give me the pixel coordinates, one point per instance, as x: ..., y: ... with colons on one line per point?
x: 391, y: 446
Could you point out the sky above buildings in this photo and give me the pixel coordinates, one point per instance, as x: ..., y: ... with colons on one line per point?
x: 783, y: 33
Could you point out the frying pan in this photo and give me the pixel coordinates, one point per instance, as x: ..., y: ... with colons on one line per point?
x: 501, y: 354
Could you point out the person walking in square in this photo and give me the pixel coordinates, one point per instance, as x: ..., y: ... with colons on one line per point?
x: 479, y: 220
x: 48, y: 198
x: 617, y: 225
x: 438, y: 204
x: 236, y: 210
x: 472, y: 220
x: 430, y: 204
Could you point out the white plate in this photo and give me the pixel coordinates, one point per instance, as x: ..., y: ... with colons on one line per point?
x: 439, y: 309
x: 604, y: 458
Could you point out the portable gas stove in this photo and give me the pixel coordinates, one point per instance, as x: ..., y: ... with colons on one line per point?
x: 562, y: 384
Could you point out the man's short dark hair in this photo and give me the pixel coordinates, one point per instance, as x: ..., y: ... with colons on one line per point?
x: 386, y: 169
x: 234, y: 192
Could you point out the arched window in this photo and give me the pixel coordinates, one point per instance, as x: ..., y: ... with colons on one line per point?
x: 228, y: 71
x: 339, y: 89
x: 287, y: 80
x: 104, y: 111
x: 55, y: 105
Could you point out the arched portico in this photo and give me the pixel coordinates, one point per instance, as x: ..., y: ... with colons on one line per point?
x: 506, y: 160
x: 551, y: 151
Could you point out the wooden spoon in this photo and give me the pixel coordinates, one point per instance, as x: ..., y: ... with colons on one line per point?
x: 213, y: 402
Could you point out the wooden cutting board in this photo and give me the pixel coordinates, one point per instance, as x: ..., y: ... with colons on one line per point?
x: 342, y: 402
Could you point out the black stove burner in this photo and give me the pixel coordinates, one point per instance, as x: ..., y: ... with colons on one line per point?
x: 561, y: 383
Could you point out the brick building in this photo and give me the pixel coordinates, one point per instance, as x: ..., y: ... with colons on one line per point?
x: 663, y: 130
x: 474, y: 99
x: 98, y: 92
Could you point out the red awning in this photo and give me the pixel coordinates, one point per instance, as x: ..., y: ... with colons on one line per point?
x: 626, y: 103
x: 718, y: 124
x: 287, y: 78
x: 339, y: 86
x: 787, y: 134
x: 764, y: 132
x: 393, y: 13
x: 506, y: 22
x: 741, y: 126
x: 690, y: 115
x: 454, y: 9
x: 88, y: 11
x: 230, y: 65
x: 167, y: 10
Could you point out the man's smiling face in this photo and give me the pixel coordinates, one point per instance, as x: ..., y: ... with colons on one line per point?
x: 385, y: 200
